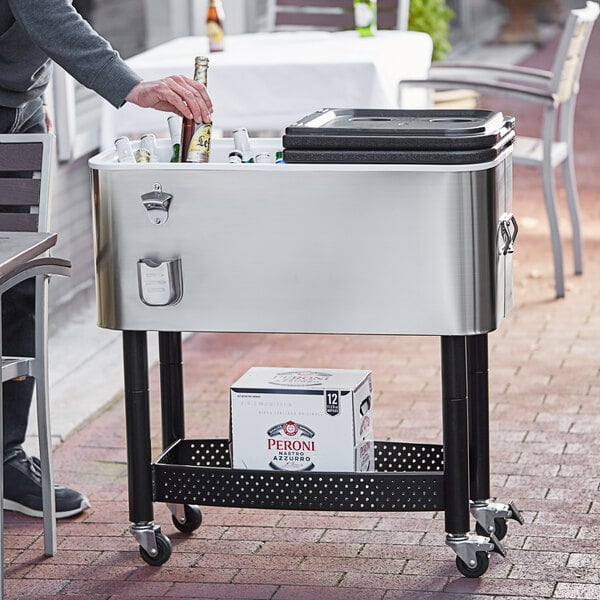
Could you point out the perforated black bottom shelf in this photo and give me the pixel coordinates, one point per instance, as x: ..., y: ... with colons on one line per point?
x: 408, y: 477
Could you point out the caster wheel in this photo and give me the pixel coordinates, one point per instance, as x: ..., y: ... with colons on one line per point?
x: 483, y: 562
x: 500, y: 529
x: 163, y: 545
x: 193, y: 519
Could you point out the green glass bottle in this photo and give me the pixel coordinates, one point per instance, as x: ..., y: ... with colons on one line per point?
x: 174, y: 124
x: 365, y: 17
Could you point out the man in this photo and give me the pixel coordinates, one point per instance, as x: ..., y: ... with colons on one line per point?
x: 32, y: 35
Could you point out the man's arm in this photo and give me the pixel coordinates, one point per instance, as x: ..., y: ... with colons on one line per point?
x: 60, y: 31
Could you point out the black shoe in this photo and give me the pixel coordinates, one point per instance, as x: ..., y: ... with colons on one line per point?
x: 23, y: 489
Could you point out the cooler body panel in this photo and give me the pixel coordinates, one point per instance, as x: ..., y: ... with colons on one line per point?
x: 297, y: 248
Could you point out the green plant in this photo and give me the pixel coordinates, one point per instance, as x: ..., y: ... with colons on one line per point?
x: 432, y: 17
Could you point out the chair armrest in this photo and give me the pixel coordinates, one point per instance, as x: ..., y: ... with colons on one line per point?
x: 492, y: 71
x: 47, y: 265
x: 512, y: 89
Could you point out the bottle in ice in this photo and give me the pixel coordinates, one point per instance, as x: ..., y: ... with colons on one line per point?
x: 215, y: 21
x: 148, y: 151
x: 175, y: 135
x: 241, y: 141
x: 263, y: 157
x: 124, y: 150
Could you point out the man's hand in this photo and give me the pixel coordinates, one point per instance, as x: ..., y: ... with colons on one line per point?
x: 47, y: 119
x: 177, y: 93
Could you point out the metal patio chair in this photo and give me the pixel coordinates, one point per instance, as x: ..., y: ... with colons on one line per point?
x: 331, y: 14
x: 25, y: 164
x: 556, y: 91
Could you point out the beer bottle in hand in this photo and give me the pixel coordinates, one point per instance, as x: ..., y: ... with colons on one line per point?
x: 195, y: 137
x: 215, y: 20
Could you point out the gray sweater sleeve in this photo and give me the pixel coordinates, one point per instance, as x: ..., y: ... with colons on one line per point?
x: 58, y: 29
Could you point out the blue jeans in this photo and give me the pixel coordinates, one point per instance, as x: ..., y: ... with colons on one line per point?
x: 18, y: 304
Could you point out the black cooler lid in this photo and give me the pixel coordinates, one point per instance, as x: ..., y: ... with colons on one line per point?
x: 398, y: 136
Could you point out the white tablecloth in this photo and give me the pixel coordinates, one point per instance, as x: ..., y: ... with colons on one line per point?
x: 266, y: 81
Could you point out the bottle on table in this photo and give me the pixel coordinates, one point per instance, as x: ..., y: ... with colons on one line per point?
x: 365, y: 17
x: 175, y: 133
x: 195, y: 137
x: 215, y: 21
x: 124, y: 150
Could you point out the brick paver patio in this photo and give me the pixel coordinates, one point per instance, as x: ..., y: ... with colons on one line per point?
x: 545, y: 419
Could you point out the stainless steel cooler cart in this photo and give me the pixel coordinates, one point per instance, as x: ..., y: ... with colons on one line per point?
x: 367, y: 248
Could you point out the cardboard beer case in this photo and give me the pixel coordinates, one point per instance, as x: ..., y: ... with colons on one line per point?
x: 297, y: 419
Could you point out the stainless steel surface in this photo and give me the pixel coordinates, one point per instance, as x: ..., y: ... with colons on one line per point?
x: 486, y: 513
x: 390, y: 249
x: 157, y: 204
x: 145, y: 535
x: 467, y: 547
x: 159, y: 282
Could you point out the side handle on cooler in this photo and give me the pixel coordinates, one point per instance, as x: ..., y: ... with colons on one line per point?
x: 508, y: 230
x: 157, y: 204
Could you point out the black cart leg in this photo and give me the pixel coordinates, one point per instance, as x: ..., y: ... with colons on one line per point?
x: 186, y: 518
x: 171, y: 386
x: 472, y: 551
x: 479, y: 438
x: 137, y: 417
x: 155, y: 547
x: 456, y: 448
x: 490, y: 516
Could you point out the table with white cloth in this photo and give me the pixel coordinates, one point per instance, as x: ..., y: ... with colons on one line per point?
x: 266, y: 81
